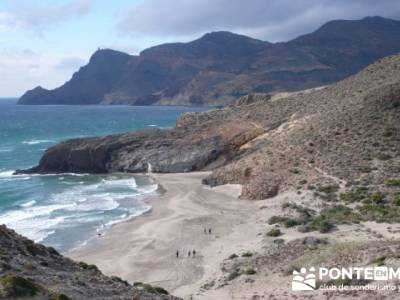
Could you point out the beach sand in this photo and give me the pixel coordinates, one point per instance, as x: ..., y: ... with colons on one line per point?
x: 144, y: 248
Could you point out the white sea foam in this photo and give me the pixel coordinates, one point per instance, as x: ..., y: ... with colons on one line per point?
x: 6, y: 174
x: 34, y: 222
x: 130, y: 182
x: 84, y: 204
x: 28, y: 204
x: 146, y: 189
x: 6, y: 149
x: 126, y: 217
x: 35, y: 142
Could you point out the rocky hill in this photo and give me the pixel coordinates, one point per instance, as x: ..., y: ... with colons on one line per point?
x: 32, y: 271
x: 221, y: 66
x: 347, y: 132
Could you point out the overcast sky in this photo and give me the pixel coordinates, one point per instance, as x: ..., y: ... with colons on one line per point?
x: 43, y: 44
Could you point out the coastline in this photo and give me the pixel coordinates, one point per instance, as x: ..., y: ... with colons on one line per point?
x: 144, y: 248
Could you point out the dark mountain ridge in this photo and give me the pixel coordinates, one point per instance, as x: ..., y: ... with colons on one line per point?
x: 221, y: 66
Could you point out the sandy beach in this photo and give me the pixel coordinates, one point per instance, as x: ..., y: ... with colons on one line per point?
x: 144, y: 249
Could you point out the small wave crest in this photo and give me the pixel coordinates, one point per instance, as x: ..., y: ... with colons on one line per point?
x: 28, y: 204
x: 6, y: 174
x: 35, y: 142
x: 6, y: 149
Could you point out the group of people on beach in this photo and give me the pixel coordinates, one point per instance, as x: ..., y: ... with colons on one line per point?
x: 209, y: 230
x: 190, y: 253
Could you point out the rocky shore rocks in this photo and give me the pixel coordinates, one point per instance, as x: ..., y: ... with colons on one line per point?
x: 33, y: 271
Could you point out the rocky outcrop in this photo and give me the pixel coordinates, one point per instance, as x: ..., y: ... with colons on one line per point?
x: 348, y: 131
x: 33, y: 271
x: 181, y: 150
x: 219, y: 67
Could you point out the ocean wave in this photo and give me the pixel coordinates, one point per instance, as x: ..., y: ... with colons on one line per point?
x: 6, y: 149
x: 127, y: 217
x: 34, y: 222
x: 146, y: 189
x: 85, y: 205
x: 35, y: 142
x: 16, y: 216
x: 10, y: 173
x: 6, y: 173
x: 126, y: 182
x: 7, y: 176
x: 28, y: 204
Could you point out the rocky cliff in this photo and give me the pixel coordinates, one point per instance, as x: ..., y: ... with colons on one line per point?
x: 267, y: 142
x: 219, y: 67
x: 33, y: 271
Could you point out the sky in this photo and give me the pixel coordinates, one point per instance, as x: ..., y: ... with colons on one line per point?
x: 44, y: 42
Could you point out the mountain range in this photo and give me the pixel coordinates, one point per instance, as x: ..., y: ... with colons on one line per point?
x: 219, y: 67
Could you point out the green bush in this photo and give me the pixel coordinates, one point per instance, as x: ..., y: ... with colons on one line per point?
x: 388, y: 132
x: 395, y: 200
x: 356, y: 195
x: 336, y: 214
x: 377, y: 197
x: 286, y: 221
x: 393, y: 182
x: 249, y: 271
x: 160, y: 290
x: 274, y: 232
x: 247, y: 254
x: 277, y: 219
x: 290, y: 222
x: 16, y: 286
x: 380, y: 213
x: 151, y: 289
x: 85, y: 266
x: 379, y: 261
x: 328, y: 189
x: 59, y: 296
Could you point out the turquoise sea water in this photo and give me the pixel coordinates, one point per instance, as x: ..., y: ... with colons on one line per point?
x: 67, y: 210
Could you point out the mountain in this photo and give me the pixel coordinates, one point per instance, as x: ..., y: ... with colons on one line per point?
x: 268, y: 143
x: 33, y: 271
x: 219, y: 67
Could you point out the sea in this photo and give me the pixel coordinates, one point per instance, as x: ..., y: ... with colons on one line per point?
x: 67, y: 211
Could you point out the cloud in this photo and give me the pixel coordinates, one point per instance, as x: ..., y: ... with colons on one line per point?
x: 24, y: 69
x: 274, y: 20
x: 39, y: 17
x: 8, y: 22
x: 70, y: 63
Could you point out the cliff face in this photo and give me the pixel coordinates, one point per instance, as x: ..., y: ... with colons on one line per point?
x: 266, y: 142
x: 33, y: 271
x: 221, y: 66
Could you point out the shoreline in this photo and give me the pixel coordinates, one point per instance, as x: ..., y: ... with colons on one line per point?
x: 144, y: 248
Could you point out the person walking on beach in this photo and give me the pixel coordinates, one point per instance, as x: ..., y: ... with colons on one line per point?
x: 177, y: 254
x: 189, y: 254
x: 194, y: 253
x: 209, y: 231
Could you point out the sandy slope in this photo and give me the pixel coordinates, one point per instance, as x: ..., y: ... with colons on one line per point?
x: 144, y: 248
